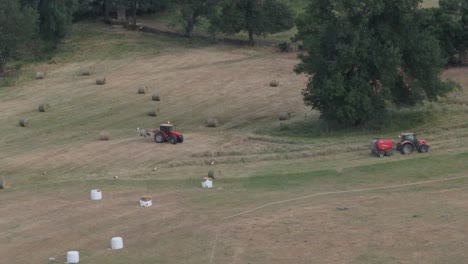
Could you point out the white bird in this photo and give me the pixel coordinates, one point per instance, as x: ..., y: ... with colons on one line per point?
x: 155, y: 168
x: 212, y: 162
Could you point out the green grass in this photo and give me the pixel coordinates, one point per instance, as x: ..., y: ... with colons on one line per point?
x: 98, y: 42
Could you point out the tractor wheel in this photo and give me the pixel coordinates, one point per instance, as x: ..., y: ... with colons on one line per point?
x: 423, y: 148
x: 159, y: 137
x: 407, y: 149
x: 172, y: 139
x: 380, y: 154
x: 180, y: 139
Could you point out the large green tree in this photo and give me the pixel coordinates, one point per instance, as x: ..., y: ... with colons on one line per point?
x: 365, y: 54
x: 55, y: 19
x: 256, y: 17
x: 18, y: 24
x: 191, y: 10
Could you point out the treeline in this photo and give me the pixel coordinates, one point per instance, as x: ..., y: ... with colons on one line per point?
x: 43, y: 23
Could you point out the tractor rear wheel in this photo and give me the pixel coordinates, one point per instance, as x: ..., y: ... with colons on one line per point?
x: 159, y: 137
x: 172, y: 139
x: 407, y: 149
x: 380, y: 154
x: 423, y: 148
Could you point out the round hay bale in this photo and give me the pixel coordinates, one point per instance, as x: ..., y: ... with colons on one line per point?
x: 145, y: 198
x: 43, y: 107
x: 104, y: 135
x: 153, y: 112
x: 212, y: 122
x: 142, y: 89
x: 284, y: 116
x: 40, y: 75
x: 274, y: 83
x: 156, y: 97
x: 24, y: 122
x: 101, y: 81
x: 84, y: 72
x: 211, y: 174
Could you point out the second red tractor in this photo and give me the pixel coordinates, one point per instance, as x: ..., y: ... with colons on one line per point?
x: 408, y: 143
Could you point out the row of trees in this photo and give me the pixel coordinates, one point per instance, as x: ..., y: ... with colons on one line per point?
x: 256, y: 17
x: 46, y: 22
x: 364, y: 55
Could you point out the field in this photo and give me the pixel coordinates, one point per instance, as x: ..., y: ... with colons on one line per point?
x: 318, y: 195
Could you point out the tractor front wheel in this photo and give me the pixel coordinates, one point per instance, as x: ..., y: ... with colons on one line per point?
x: 407, y: 149
x: 159, y: 137
x: 423, y: 148
x: 172, y: 139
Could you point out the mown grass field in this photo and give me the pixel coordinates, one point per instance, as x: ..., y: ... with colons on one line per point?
x: 258, y: 160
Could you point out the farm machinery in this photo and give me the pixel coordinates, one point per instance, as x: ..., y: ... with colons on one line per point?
x: 166, y: 133
x: 407, y: 144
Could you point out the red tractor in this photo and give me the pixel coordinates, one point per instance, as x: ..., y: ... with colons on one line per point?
x: 408, y: 143
x: 165, y: 133
x: 381, y: 147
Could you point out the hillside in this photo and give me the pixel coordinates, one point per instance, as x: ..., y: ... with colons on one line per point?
x: 50, y: 166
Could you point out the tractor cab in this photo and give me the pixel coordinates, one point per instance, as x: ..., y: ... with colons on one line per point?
x: 411, y: 137
x: 166, y: 128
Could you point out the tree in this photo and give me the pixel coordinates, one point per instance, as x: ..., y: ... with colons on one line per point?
x: 449, y: 23
x: 55, y: 19
x: 17, y: 26
x: 256, y: 17
x: 191, y: 10
x: 365, y: 54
